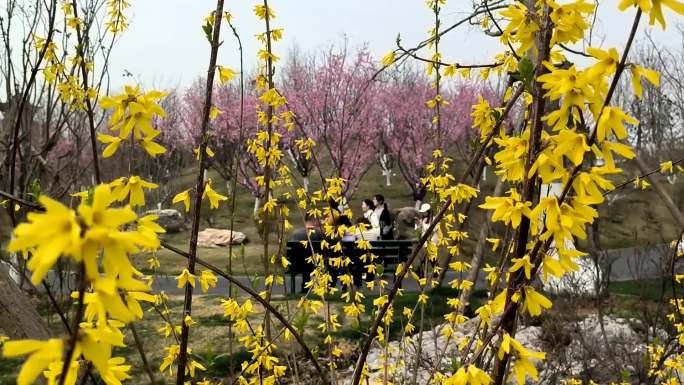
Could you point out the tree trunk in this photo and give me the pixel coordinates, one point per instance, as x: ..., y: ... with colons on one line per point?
x: 305, y: 184
x: 388, y: 182
x: 418, y: 204
x: 19, y: 319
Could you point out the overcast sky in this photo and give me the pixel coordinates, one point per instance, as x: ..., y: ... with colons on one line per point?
x: 165, y: 46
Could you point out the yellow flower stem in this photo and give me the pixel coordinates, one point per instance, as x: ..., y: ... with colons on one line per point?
x: 24, y: 99
x: 358, y: 369
x: 81, y: 39
x: 73, y: 339
x: 266, y: 304
x: 75, y: 323
x: 529, y: 184
x: 642, y: 176
x: 438, y: 76
x: 411, y: 52
x: 517, y: 279
x: 233, y: 187
x: 267, y: 170
x: 199, y: 190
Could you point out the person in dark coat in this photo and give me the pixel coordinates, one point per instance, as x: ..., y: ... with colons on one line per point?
x: 382, y: 211
x: 310, y: 232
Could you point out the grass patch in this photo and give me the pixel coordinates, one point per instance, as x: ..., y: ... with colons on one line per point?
x: 8, y: 370
x: 649, y: 289
x: 221, y: 364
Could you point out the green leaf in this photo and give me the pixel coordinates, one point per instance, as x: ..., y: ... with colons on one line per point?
x: 208, y: 31
x: 526, y: 72
x: 36, y: 190
x: 301, y: 321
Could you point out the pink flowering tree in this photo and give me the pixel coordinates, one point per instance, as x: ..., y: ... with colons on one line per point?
x: 295, y: 144
x: 333, y: 98
x: 409, y: 134
x: 228, y: 137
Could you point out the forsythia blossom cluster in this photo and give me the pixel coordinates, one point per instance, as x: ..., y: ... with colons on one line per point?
x: 100, y: 237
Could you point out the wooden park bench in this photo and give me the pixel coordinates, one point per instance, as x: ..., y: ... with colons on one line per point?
x: 389, y: 253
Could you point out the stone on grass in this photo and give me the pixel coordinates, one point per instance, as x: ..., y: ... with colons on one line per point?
x: 405, y: 219
x: 170, y: 219
x: 213, y: 238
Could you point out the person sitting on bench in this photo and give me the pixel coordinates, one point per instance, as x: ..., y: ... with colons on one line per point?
x: 368, y: 233
x: 310, y: 232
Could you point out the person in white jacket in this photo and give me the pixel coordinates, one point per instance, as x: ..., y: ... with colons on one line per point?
x: 423, y: 220
x: 368, y: 209
x: 382, y: 211
x: 368, y: 233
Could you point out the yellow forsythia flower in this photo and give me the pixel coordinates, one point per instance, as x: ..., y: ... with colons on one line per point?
x: 112, y: 142
x: 133, y: 187
x: 42, y: 353
x: 214, y: 197
x: 225, y: 75
x: 388, y: 59
x: 207, y: 279
x: 184, y: 197
x: 185, y: 278
x: 666, y: 167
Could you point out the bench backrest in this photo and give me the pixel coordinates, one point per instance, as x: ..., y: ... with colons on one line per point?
x: 380, y: 248
x: 393, y: 243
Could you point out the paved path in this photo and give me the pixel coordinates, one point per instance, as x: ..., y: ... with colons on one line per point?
x: 625, y: 264
x: 170, y: 285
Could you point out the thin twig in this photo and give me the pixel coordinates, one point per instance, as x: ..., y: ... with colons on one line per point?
x: 24, y: 98
x: 199, y: 190
x: 416, y: 249
x: 261, y: 300
x: 654, y: 171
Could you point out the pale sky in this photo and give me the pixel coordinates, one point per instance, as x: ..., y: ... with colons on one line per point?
x: 165, y: 45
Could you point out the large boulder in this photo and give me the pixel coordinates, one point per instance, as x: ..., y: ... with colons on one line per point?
x: 405, y: 219
x: 213, y: 238
x: 170, y: 219
x: 593, y: 344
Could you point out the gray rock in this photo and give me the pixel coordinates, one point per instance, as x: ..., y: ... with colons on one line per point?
x: 586, y: 352
x: 405, y: 219
x: 213, y: 238
x: 171, y: 220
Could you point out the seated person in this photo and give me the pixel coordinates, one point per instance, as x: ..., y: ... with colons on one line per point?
x: 333, y: 256
x: 343, y: 220
x: 368, y: 233
x: 310, y: 232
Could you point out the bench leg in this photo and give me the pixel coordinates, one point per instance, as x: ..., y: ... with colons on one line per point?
x: 292, y: 284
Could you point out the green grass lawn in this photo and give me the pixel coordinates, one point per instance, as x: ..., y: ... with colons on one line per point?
x: 210, y: 339
x: 648, y: 289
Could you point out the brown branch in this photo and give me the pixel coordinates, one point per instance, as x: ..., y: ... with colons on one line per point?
x: 24, y: 98
x: 76, y: 322
x: 199, y: 190
x: 440, y: 63
x: 259, y: 299
x: 530, y: 183
x: 80, y: 51
x: 143, y: 357
x: 416, y: 249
